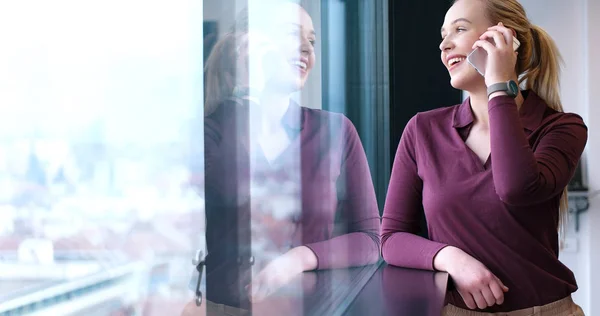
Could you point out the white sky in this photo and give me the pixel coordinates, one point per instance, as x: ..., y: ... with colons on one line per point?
x: 135, y: 63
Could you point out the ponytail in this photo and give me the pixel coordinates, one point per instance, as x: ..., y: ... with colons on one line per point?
x: 220, y: 73
x: 538, y: 63
x: 542, y: 76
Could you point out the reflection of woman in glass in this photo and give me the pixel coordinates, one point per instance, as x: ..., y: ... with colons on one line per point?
x: 288, y: 189
x: 493, y: 209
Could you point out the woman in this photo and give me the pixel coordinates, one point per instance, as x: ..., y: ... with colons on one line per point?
x: 493, y: 211
x: 288, y: 188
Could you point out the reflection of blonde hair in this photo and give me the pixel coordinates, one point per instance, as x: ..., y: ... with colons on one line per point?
x: 220, y: 72
x: 538, y: 64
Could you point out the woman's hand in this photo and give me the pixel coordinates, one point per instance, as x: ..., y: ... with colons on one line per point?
x: 478, y: 287
x: 501, y: 60
x: 281, y: 271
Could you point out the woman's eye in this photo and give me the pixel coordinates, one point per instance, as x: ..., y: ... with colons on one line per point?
x: 460, y: 29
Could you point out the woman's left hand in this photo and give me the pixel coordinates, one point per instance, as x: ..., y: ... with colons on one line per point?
x: 501, y: 60
x: 280, y: 272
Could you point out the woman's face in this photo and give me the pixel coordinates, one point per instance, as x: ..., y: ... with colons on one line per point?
x: 463, y: 25
x: 294, y: 36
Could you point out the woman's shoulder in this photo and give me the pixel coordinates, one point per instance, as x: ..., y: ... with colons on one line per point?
x: 440, y: 117
x: 552, y: 118
x: 323, y: 118
x: 321, y: 114
x: 441, y: 113
x: 563, y: 117
x: 226, y: 109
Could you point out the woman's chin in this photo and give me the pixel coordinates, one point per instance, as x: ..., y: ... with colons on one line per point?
x: 456, y: 83
x: 466, y: 82
x: 300, y: 84
x: 291, y: 85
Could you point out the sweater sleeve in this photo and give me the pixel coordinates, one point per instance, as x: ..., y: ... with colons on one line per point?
x: 523, y: 175
x: 357, y: 205
x: 401, y: 246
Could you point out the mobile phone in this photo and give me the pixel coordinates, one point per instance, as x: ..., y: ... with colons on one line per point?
x: 478, y: 57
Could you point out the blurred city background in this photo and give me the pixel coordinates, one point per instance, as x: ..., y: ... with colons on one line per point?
x: 101, y: 205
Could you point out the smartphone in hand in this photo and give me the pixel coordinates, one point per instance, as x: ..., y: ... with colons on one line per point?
x: 478, y: 57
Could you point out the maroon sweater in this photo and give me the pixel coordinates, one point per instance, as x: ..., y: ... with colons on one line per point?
x: 504, y: 213
x: 338, y: 220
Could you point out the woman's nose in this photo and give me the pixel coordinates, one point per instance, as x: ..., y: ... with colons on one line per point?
x: 446, y: 44
x: 306, y: 46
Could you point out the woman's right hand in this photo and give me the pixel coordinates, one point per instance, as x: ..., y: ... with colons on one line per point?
x: 478, y: 287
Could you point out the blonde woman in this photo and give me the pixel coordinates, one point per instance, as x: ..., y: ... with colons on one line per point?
x: 490, y: 174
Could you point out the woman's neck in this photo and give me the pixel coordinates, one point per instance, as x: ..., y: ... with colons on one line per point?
x: 272, y: 110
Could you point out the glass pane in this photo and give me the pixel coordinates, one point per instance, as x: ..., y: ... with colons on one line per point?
x: 99, y: 123
x: 289, y: 191
x: 137, y: 138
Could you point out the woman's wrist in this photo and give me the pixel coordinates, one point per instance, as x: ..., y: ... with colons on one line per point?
x: 445, y: 258
x: 306, y: 257
x: 497, y: 94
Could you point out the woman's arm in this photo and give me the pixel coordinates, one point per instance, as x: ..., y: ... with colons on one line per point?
x: 525, y: 176
x: 401, y: 247
x: 357, y: 245
x: 403, y: 208
x: 357, y: 205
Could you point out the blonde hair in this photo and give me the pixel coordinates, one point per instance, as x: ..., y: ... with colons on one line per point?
x: 225, y: 65
x: 538, y: 63
x: 221, y: 72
